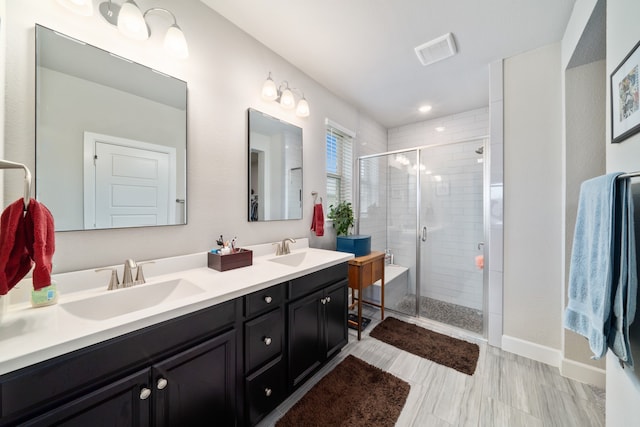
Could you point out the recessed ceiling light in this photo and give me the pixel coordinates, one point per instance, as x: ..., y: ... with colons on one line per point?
x: 425, y: 108
x: 440, y: 129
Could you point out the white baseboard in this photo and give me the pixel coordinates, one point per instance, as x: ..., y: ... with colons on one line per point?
x: 584, y: 373
x: 548, y: 355
x: 551, y: 356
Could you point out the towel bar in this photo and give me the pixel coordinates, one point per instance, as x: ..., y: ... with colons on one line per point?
x: 5, y: 164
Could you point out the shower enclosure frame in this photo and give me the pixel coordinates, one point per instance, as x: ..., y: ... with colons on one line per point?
x: 486, y: 212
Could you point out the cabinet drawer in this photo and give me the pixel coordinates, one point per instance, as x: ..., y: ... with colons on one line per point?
x: 263, y: 300
x: 264, y: 339
x: 265, y: 390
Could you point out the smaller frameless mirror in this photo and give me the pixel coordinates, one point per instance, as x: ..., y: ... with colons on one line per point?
x: 275, y: 169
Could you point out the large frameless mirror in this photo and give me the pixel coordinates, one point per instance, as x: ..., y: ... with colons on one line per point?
x: 110, y: 138
x: 275, y: 168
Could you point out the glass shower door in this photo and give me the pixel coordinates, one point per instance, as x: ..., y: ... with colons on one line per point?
x: 388, y: 206
x: 451, y: 233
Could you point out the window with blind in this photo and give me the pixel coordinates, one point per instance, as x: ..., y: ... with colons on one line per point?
x: 339, y: 166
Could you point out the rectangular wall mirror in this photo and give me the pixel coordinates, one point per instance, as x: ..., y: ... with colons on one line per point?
x: 111, y: 138
x: 275, y: 168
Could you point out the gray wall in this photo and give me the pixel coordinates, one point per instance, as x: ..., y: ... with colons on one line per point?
x: 224, y: 72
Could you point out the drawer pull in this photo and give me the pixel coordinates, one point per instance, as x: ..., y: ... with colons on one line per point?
x: 162, y: 383
x: 267, y: 340
x: 268, y: 299
x: 267, y: 392
x: 145, y: 393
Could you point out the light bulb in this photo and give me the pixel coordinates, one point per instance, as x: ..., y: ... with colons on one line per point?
x: 176, y: 43
x: 269, y: 90
x: 287, y: 100
x: 131, y: 23
x: 302, y: 110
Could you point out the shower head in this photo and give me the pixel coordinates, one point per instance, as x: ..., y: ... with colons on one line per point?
x: 480, y: 150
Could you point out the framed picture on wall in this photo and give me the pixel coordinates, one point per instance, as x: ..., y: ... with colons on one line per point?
x: 625, y: 97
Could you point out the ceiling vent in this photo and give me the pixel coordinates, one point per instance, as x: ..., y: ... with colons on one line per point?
x: 436, y: 49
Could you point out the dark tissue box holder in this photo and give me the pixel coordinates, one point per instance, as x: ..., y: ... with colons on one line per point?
x: 239, y: 258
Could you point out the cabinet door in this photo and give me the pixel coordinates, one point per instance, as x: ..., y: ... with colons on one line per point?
x: 123, y: 403
x: 305, y: 337
x: 336, y: 333
x: 198, y: 386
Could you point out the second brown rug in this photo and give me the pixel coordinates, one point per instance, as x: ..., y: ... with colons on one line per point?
x: 448, y: 351
x: 353, y: 394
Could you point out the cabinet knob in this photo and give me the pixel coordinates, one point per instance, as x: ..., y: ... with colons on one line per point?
x: 162, y: 383
x: 267, y: 340
x: 268, y: 299
x: 145, y: 393
x: 267, y: 392
x: 328, y: 299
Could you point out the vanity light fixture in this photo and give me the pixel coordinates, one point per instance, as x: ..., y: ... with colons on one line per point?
x: 132, y: 23
x: 283, y: 94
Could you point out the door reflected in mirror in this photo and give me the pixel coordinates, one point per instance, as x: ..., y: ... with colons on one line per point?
x: 110, y: 138
x: 275, y: 168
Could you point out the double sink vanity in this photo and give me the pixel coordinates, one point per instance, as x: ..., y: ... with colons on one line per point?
x: 192, y: 346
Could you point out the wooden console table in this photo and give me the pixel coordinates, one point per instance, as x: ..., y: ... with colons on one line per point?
x: 364, y: 271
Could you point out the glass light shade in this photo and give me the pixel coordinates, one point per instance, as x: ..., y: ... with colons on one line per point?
x: 302, y: 110
x: 176, y: 43
x: 269, y: 90
x: 287, y: 100
x: 79, y: 7
x: 131, y: 23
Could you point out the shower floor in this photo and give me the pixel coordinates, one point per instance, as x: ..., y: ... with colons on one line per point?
x: 443, y: 312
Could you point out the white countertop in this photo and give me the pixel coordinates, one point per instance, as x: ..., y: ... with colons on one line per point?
x: 31, y: 335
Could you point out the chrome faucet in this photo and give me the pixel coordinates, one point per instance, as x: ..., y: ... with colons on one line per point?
x: 127, y: 276
x: 285, y: 245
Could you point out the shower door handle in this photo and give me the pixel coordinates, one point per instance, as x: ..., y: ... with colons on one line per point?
x: 424, y: 234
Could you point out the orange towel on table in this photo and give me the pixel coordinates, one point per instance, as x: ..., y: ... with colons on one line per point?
x: 25, y: 239
x: 317, y: 223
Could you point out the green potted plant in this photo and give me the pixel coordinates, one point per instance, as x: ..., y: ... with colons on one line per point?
x: 342, y: 217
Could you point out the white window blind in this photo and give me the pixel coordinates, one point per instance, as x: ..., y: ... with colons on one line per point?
x: 339, y: 165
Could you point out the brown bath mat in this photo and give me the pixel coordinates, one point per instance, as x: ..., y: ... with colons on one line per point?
x: 353, y: 394
x: 451, y: 352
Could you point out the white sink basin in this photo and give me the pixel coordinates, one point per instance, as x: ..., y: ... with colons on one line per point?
x: 292, y: 260
x: 124, y: 301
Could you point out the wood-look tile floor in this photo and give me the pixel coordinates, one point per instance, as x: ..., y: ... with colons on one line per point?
x: 506, y: 389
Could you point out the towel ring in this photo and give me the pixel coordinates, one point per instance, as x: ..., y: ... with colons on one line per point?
x: 5, y: 164
x: 315, y: 197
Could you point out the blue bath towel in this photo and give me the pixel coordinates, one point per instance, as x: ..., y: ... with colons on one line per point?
x: 602, y: 276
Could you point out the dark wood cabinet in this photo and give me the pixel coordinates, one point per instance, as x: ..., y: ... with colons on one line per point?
x: 121, y: 403
x: 191, y: 388
x: 317, y: 330
x: 228, y: 365
x: 264, y: 342
x: 197, y: 387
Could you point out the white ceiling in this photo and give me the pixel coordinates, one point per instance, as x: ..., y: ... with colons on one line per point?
x: 363, y: 50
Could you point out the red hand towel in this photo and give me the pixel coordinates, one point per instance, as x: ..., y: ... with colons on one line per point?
x: 40, y: 236
x: 317, y: 223
x: 15, y: 262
